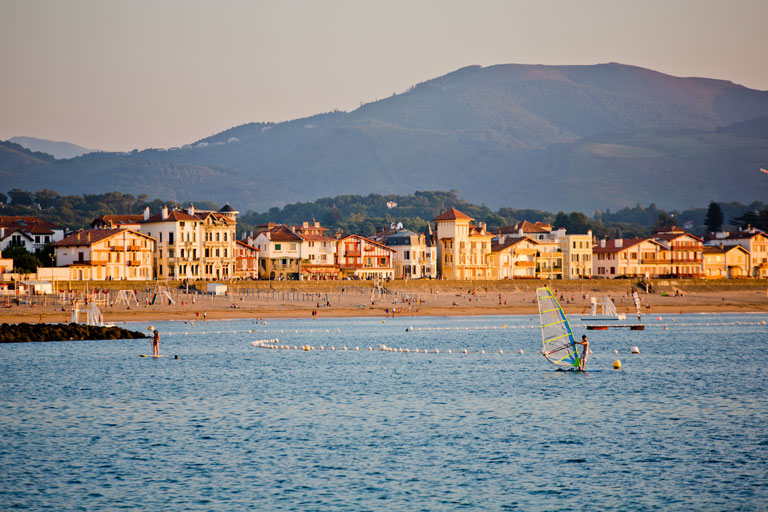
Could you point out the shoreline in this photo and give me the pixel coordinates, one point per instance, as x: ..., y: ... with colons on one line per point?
x: 410, y: 299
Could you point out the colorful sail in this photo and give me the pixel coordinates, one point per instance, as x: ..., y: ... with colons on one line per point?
x: 636, y: 298
x: 559, y: 347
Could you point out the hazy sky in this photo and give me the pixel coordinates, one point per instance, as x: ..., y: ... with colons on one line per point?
x: 134, y: 74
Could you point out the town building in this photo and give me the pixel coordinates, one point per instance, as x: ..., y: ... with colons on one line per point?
x: 415, y: 254
x: 359, y: 257
x: 29, y: 232
x: 317, y: 252
x: 754, y: 241
x: 683, y: 252
x: 106, y: 254
x: 463, y: 250
x: 722, y: 262
x: 633, y: 257
x: 513, y: 257
x: 280, y: 252
x: 218, y: 242
x: 246, y: 261
x: 178, y: 247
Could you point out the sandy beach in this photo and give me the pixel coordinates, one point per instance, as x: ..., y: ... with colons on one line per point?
x: 425, y: 298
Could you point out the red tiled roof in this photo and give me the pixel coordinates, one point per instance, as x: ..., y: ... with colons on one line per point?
x: 510, y: 241
x: 116, y: 220
x: 610, y: 245
x: 674, y: 236
x: 741, y: 235
x: 27, y: 223
x: 529, y: 227
x: 90, y: 236
x: 240, y: 242
x: 453, y: 214
x: 173, y: 216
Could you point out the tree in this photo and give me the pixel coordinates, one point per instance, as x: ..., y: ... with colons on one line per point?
x: 47, y: 198
x: 714, y: 219
x: 3, y: 198
x: 23, y: 262
x: 664, y: 220
x: 21, y: 197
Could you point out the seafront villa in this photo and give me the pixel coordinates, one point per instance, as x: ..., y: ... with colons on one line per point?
x: 191, y: 244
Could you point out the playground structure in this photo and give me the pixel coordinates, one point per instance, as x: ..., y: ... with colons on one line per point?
x: 160, y: 291
x: 126, y: 297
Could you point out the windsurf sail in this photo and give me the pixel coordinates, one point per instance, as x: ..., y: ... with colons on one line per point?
x: 558, y: 345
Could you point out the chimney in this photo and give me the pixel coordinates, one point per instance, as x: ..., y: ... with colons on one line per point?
x: 191, y: 210
x: 88, y: 236
x: 481, y: 226
x: 164, y: 212
x: 602, y: 243
x: 520, y: 231
x: 146, y: 213
x: 317, y: 223
x: 619, y: 242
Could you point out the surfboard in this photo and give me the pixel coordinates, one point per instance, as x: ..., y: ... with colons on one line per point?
x: 150, y: 355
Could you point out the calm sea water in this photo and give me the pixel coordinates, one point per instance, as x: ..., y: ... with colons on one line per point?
x: 683, y: 426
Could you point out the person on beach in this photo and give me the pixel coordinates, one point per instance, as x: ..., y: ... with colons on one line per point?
x: 156, y: 344
x: 584, y: 353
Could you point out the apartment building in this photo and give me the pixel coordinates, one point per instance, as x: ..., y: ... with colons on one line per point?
x: 463, y: 250
x: 513, y: 257
x: 415, y: 254
x: 29, y: 232
x: 754, y: 241
x: 359, y: 257
x: 106, y: 254
x: 722, y: 262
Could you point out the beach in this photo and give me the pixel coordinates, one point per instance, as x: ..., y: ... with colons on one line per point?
x: 401, y: 298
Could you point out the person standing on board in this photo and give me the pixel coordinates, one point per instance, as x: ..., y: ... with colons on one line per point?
x: 584, y: 353
x: 156, y: 344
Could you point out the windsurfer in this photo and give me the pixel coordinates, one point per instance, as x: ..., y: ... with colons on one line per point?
x: 584, y: 353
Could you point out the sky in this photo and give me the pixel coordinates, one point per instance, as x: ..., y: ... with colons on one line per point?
x: 129, y: 75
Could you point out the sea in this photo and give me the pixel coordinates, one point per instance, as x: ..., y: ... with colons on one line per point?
x: 476, y: 419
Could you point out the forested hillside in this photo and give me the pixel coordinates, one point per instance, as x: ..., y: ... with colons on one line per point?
x: 367, y: 214
x: 539, y: 137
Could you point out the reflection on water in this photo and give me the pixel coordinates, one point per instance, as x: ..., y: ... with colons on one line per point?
x: 233, y: 427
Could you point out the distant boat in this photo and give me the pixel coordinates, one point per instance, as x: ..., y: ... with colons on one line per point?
x: 603, y: 309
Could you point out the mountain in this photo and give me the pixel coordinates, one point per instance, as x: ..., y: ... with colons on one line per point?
x: 542, y: 137
x: 52, y: 147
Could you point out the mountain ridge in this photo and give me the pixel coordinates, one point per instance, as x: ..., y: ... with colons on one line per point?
x: 606, y: 135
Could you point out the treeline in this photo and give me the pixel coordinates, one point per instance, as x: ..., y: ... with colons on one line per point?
x: 367, y: 214
x: 77, y: 212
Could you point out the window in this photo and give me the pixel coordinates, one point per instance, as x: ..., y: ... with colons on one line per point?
x: 278, y: 247
x: 382, y: 261
x: 293, y: 247
x: 225, y: 253
x: 225, y: 237
x: 170, y: 238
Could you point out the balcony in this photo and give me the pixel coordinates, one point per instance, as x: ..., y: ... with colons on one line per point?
x: 134, y: 263
x: 352, y: 254
x: 525, y: 263
x: 117, y: 248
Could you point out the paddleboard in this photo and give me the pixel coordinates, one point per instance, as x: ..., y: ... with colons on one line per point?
x: 150, y: 355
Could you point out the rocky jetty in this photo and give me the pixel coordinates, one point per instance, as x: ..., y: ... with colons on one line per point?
x: 16, y: 333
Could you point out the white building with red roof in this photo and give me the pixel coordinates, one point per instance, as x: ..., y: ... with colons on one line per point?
x: 106, y: 254
x: 178, y: 249
x: 29, y: 232
x: 280, y: 254
x: 632, y: 257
